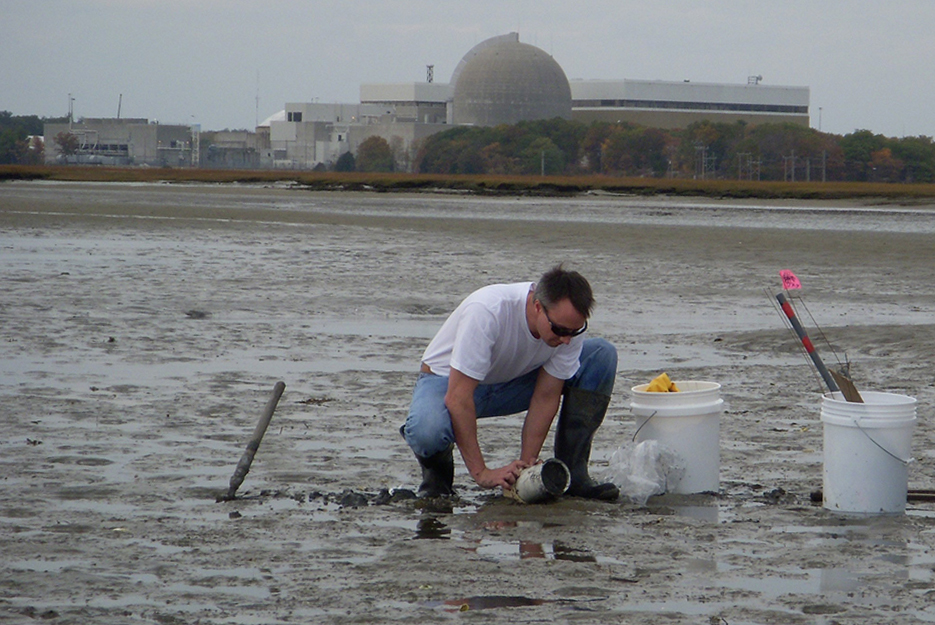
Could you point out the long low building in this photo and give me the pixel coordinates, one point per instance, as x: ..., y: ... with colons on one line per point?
x: 662, y: 104
x: 114, y: 141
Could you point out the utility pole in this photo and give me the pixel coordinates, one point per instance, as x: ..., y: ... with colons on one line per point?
x: 701, y: 158
x: 744, y: 158
x: 786, y: 167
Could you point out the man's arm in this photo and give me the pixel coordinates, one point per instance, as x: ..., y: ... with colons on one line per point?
x: 542, y: 408
x: 460, y: 403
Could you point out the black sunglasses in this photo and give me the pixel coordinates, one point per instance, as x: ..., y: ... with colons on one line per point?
x: 562, y: 331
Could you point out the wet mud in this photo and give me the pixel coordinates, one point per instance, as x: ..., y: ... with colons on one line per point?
x: 144, y: 327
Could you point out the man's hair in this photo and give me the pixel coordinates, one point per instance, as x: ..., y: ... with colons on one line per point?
x: 557, y: 284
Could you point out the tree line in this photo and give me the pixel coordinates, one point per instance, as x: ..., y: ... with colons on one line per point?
x: 16, y: 146
x: 703, y: 150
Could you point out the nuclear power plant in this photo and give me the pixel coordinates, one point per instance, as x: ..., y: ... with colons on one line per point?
x: 499, y: 81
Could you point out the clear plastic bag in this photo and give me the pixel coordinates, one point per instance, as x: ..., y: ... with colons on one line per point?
x: 641, y: 470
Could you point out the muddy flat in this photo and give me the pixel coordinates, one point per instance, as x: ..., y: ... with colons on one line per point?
x: 144, y: 326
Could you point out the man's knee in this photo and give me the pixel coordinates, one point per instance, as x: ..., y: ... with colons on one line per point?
x: 426, y: 441
x: 602, y: 354
x: 598, y: 367
x: 428, y: 426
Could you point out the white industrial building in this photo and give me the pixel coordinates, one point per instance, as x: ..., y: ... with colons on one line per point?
x: 309, y: 133
x: 305, y: 135
x: 503, y: 81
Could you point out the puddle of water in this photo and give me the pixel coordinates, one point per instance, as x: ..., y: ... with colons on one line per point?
x: 488, y: 602
x: 501, y: 551
x: 694, y: 608
x: 431, y: 528
x: 48, y: 566
x: 709, y: 514
x: 702, y: 507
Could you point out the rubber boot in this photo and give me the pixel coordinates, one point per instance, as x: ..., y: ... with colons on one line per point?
x: 438, y: 474
x: 582, y: 413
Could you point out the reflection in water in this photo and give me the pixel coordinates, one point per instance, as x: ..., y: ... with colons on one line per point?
x: 433, y: 529
x: 490, y: 601
x: 839, y: 580
x: 526, y: 550
x: 707, y: 513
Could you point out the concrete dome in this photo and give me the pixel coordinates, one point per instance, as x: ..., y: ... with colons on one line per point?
x: 503, y: 81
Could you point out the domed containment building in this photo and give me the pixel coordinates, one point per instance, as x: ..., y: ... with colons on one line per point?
x: 503, y: 81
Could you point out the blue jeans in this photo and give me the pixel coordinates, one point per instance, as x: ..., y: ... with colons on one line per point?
x: 428, y: 428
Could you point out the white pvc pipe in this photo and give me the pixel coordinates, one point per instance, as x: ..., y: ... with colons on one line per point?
x: 541, y: 482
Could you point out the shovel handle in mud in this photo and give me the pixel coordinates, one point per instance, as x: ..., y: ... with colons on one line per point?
x: 807, y: 342
x: 243, y: 467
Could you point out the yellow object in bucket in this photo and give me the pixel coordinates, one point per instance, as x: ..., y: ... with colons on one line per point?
x: 662, y: 384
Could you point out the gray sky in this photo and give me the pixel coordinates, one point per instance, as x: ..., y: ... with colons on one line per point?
x: 868, y: 63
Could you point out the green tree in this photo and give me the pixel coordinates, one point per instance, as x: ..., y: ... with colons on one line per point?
x: 918, y: 154
x: 635, y: 151
x: 858, y: 148
x: 543, y: 154
x: 496, y: 160
x: 345, y: 162
x: 375, y: 154
x: 590, y: 150
x: 453, y: 151
x: 564, y: 134
x: 15, y: 130
x: 8, y: 146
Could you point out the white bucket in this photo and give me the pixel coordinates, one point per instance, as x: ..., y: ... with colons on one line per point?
x: 689, y: 423
x: 867, y: 450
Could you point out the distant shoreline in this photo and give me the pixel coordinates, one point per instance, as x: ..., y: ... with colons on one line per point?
x: 549, y: 186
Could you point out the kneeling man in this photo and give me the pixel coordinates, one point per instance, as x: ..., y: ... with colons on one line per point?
x: 506, y: 349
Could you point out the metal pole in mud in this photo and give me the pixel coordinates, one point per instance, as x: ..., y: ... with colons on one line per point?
x: 243, y: 467
x: 807, y: 342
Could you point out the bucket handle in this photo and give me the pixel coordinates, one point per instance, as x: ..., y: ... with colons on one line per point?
x: 635, y: 434
x: 905, y: 461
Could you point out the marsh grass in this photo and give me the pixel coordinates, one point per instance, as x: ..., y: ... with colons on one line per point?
x: 483, y: 184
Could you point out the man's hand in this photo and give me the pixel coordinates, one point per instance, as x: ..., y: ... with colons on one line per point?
x: 504, y: 477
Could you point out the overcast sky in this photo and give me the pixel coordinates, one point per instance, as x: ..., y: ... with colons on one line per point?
x: 869, y: 64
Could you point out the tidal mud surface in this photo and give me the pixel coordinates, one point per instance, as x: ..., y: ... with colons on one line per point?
x: 143, y: 327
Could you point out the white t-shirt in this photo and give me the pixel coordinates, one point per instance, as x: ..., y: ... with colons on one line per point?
x: 487, y: 338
